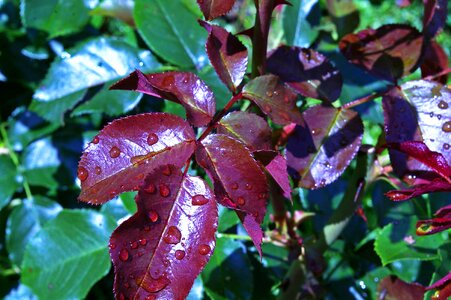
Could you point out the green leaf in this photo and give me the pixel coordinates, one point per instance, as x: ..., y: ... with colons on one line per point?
x: 57, y: 17
x: 8, y: 180
x: 25, y: 221
x: 220, y: 90
x: 171, y: 30
x: 227, y: 219
x: 69, y: 254
x: 115, y: 209
x: 300, y: 22
x: 99, y: 61
x: 398, y: 241
x: 228, y: 275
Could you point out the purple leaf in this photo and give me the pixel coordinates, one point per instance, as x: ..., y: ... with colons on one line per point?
x: 126, y: 150
x: 274, y: 98
x: 276, y: 165
x: 227, y: 55
x: 239, y: 182
x: 435, y: 61
x: 160, y: 250
x: 434, y: 19
x: 181, y: 87
x: 253, y: 228
x: 394, y: 288
x: 390, y: 52
x: 319, y: 152
x: 215, y: 8
x: 417, y: 111
x: 249, y: 128
x: 308, y: 72
x: 436, y: 185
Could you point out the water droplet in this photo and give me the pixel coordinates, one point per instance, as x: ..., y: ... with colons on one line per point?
x: 82, y: 173
x: 150, y: 189
x: 447, y: 127
x: 115, y: 152
x: 431, y: 114
x: 95, y: 140
x: 123, y: 255
x: 152, y: 215
x: 140, y: 176
x: 152, y: 139
x: 168, y: 80
x: 204, y: 249
x: 442, y: 105
x: 166, y: 170
x: 134, y: 245
x: 113, y: 193
x: 152, y: 285
x: 199, y: 200
x: 112, y: 246
x: 164, y: 190
x: 316, y: 131
x: 150, y: 297
x: 446, y: 146
x: 322, y: 182
x: 240, y: 201
x: 173, y: 235
x: 166, y: 263
x: 248, y: 186
x: 143, y: 242
x: 439, y: 116
x: 179, y: 254
x: 98, y: 170
x: 262, y: 195
x: 269, y: 93
x: 327, y: 165
x: 234, y: 186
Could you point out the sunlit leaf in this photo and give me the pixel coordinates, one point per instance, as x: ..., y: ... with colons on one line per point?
x: 162, y: 248
x: 300, y: 22
x: 319, y: 152
x: 274, y: 98
x: 121, y: 9
x: 393, y: 288
x: 126, y: 150
x: 307, y: 71
x: 181, y: 87
x: 215, y: 8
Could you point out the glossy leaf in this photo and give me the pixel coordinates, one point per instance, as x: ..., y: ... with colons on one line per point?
x: 25, y: 221
x: 55, y: 17
x: 8, y: 180
x: 344, y: 14
x: 126, y: 150
x: 418, y: 111
x: 308, y: 72
x: 436, y: 185
x: 120, y: 9
x: 215, y: 8
x: 435, y: 61
x: 390, y: 52
x: 239, y: 182
x: 443, y: 287
x: 300, y: 22
x: 434, y: 18
x: 160, y: 250
x: 248, y: 128
x: 221, y: 92
x: 68, y: 255
x: 394, y: 288
x: 274, y: 98
x: 179, y: 39
x: 426, y: 227
x: 227, y: 55
x: 104, y: 60
x: 319, y: 152
x: 181, y: 87
x: 276, y: 165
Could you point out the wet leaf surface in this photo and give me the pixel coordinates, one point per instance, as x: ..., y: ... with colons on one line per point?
x: 126, y: 150
x: 161, y: 249
x: 394, y: 288
x: 274, y: 98
x: 306, y: 71
x: 181, y: 87
x: 436, y: 185
x: 434, y: 18
x: 248, y: 128
x: 215, y: 8
x: 318, y: 153
x: 390, y: 52
x: 227, y: 55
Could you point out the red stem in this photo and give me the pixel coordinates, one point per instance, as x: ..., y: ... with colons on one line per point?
x: 444, y: 72
x: 260, y: 36
x: 361, y: 100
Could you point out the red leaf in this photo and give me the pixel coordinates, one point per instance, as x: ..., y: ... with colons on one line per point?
x: 418, y: 150
x: 227, y: 55
x: 276, y: 165
x: 390, y: 52
x: 253, y: 228
x: 160, y: 250
x: 442, y: 221
x: 434, y: 19
x: 274, y: 98
x: 435, y: 61
x: 126, y: 150
x: 437, y: 185
x: 393, y: 288
x: 308, y: 72
x: 239, y: 182
x: 443, y: 287
x: 215, y: 8
x: 249, y: 128
x: 318, y: 153
x: 181, y: 87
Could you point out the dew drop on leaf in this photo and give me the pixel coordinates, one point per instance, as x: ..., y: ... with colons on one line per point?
x: 269, y: 93
x: 115, y: 152
x: 164, y: 190
x: 446, y: 146
x: 152, y: 139
x: 123, y: 255
x: 204, y: 249
x: 168, y: 81
x: 166, y: 170
x: 95, y: 140
x: 173, y: 235
x: 179, y: 254
x: 442, y: 105
x: 199, y: 200
x: 152, y: 215
x: 240, y: 201
x: 152, y: 285
x: 134, y: 245
x: 234, y: 186
x: 98, y: 170
x: 142, y: 242
x: 248, y: 186
x: 150, y: 297
x: 150, y: 189
x: 82, y: 173
x: 447, y: 127
x: 112, y: 246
